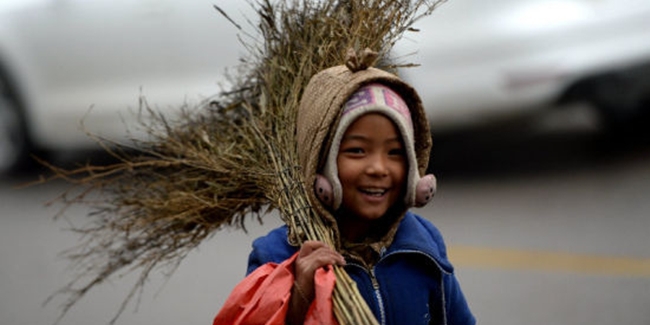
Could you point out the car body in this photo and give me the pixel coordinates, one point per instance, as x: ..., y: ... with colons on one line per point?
x: 67, y: 61
x: 74, y: 66
x: 483, y: 61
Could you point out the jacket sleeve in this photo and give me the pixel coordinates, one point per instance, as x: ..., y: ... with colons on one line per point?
x: 274, y: 247
x: 456, y: 306
x: 255, y: 259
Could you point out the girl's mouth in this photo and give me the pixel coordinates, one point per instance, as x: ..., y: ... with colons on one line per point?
x: 373, y: 191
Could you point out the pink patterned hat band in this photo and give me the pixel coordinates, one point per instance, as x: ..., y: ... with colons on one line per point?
x: 378, y: 95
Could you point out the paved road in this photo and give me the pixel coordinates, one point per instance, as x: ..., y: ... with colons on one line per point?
x: 546, y: 223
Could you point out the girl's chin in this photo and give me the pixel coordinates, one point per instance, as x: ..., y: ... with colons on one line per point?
x: 370, y: 214
x: 362, y: 214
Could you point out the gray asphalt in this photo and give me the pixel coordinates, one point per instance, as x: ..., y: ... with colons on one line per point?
x: 525, y: 187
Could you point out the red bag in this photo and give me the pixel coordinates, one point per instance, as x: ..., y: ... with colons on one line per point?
x: 263, y: 297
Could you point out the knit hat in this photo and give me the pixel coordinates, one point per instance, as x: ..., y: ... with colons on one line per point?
x: 372, y: 98
x: 320, y: 114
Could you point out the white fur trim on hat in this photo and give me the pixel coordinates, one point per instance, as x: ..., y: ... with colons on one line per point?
x: 375, y: 98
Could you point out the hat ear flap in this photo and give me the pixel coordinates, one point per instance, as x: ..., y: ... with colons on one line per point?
x: 324, y: 191
x: 425, y: 189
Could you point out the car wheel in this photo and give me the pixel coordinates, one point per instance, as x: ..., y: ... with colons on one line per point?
x: 622, y: 98
x: 14, y: 144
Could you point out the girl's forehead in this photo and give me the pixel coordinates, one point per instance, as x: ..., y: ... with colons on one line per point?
x: 372, y: 124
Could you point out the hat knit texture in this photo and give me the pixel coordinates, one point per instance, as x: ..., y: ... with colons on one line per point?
x: 373, y: 98
x: 319, y: 115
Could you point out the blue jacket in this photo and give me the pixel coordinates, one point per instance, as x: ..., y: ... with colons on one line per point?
x: 412, y: 283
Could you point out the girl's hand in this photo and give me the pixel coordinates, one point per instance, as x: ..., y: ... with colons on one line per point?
x: 312, y: 256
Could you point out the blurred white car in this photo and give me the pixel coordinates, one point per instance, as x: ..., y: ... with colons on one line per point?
x: 62, y: 61
x: 487, y: 60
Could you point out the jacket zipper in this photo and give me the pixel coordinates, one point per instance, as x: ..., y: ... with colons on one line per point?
x: 375, y: 283
x: 380, y: 301
x: 376, y: 291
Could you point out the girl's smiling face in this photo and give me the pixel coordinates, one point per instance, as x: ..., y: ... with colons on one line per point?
x: 372, y: 167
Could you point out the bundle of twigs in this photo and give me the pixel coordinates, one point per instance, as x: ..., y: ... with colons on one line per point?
x: 210, y: 168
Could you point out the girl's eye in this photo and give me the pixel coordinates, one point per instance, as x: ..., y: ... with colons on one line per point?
x: 397, y: 152
x: 353, y: 150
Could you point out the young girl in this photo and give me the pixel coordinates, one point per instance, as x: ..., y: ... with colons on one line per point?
x: 364, y: 142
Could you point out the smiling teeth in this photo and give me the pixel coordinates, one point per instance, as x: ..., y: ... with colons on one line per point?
x: 377, y: 192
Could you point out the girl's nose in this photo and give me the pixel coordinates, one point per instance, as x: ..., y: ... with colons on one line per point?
x: 377, y: 166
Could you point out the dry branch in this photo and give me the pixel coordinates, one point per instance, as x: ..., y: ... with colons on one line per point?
x: 210, y: 168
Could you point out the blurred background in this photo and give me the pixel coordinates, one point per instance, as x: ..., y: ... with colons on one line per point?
x: 538, y: 110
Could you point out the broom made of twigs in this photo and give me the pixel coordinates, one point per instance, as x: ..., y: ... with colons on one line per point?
x: 210, y: 168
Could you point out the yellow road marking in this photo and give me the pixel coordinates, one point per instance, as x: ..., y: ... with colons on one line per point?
x: 479, y: 257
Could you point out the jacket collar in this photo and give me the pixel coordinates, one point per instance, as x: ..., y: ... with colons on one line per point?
x: 415, y: 234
